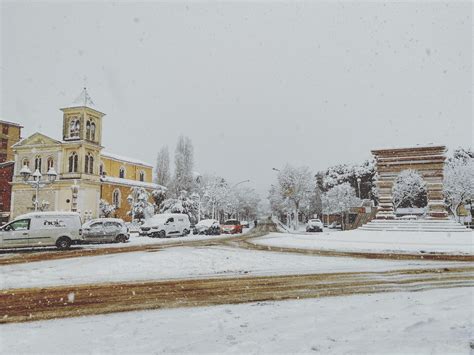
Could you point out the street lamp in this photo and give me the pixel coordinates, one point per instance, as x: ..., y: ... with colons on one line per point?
x: 37, y: 181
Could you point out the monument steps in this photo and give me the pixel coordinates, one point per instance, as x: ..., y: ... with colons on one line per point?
x: 421, y: 225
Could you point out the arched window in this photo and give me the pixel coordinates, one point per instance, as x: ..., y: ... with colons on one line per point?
x: 101, y: 169
x: 92, y: 131
x: 88, y: 130
x: 50, y: 163
x: 122, y: 173
x: 116, y: 197
x: 38, y: 163
x: 25, y: 162
x: 74, y: 127
x: 73, y: 160
x: 86, y: 164
x: 91, y: 164
x: 142, y: 176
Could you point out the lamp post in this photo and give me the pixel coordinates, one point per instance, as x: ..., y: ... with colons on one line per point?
x: 37, y: 181
x: 131, y: 202
x: 358, y: 185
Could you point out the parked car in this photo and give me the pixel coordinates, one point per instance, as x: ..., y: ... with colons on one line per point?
x: 207, y: 227
x: 314, y: 225
x: 245, y: 224
x: 105, y: 230
x: 166, y: 225
x: 42, y: 229
x: 231, y: 226
x: 335, y: 225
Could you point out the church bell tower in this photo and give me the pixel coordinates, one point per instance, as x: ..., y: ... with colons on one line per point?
x: 82, y: 120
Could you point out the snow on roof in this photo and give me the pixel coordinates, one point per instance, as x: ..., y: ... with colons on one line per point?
x: 125, y: 159
x: 414, y: 146
x: 84, y: 99
x: 127, y: 182
x: 11, y: 123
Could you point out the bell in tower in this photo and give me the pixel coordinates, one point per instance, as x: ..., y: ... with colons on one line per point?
x: 82, y: 120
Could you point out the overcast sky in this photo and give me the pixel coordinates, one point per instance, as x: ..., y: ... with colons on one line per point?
x: 253, y: 84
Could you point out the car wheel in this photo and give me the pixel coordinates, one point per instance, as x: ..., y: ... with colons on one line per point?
x: 185, y: 232
x: 161, y: 234
x: 121, y: 239
x: 63, y: 243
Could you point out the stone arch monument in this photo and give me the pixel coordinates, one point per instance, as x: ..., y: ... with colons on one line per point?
x: 428, y: 161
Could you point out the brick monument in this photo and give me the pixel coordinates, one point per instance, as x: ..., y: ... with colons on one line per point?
x: 427, y: 161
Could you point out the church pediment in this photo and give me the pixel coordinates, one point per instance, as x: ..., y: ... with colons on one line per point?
x: 35, y: 140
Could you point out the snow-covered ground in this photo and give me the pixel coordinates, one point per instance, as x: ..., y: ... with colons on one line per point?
x: 372, y: 241
x: 431, y: 322
x: 186, y: 262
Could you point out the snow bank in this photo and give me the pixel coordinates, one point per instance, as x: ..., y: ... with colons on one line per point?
x: 429, y: 322
x: 375, y: 241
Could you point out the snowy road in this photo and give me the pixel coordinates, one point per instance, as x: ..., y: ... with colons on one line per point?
x: 30, y: 304
x: 190, y: 262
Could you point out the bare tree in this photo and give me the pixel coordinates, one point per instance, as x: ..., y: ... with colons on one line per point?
x: 162, y: 170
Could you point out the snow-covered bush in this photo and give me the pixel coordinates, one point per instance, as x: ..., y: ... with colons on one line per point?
x: 106, y: 209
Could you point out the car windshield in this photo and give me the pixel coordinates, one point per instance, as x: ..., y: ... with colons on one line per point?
x: 206, y: 223
x: 231, y: 223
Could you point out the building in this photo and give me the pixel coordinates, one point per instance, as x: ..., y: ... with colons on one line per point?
x: 85, y: 174
x: 10, y: 133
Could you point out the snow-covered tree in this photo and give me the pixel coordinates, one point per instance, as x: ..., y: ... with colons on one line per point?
x: 140, y: 207
x: 184, y: 163
x: 459, y: 179
x: 215, y: 197
x: 339, y: 199
x: 158, y: 195
x: 409, y: 190
x: 294, y: 189
x: 106, y: 209
x: 162, y: 170
x: 183, y: 204
x: 339, y: 174
x: 247, y: 201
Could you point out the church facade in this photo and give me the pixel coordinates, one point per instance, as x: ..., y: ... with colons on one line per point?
x: 85, y: 173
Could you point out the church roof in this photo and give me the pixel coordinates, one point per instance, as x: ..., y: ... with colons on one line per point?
x: 83, y: 100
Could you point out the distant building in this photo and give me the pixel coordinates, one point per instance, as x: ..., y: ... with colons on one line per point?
x: 80, y: 165
x: 10, y: 133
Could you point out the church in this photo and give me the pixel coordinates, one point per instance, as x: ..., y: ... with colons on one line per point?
x: 83, y: 173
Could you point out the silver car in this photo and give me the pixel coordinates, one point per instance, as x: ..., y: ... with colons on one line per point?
x: 105, y: 230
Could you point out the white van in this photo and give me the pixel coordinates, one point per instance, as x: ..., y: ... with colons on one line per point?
x: 166, y: 225
x: 42, y: 229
